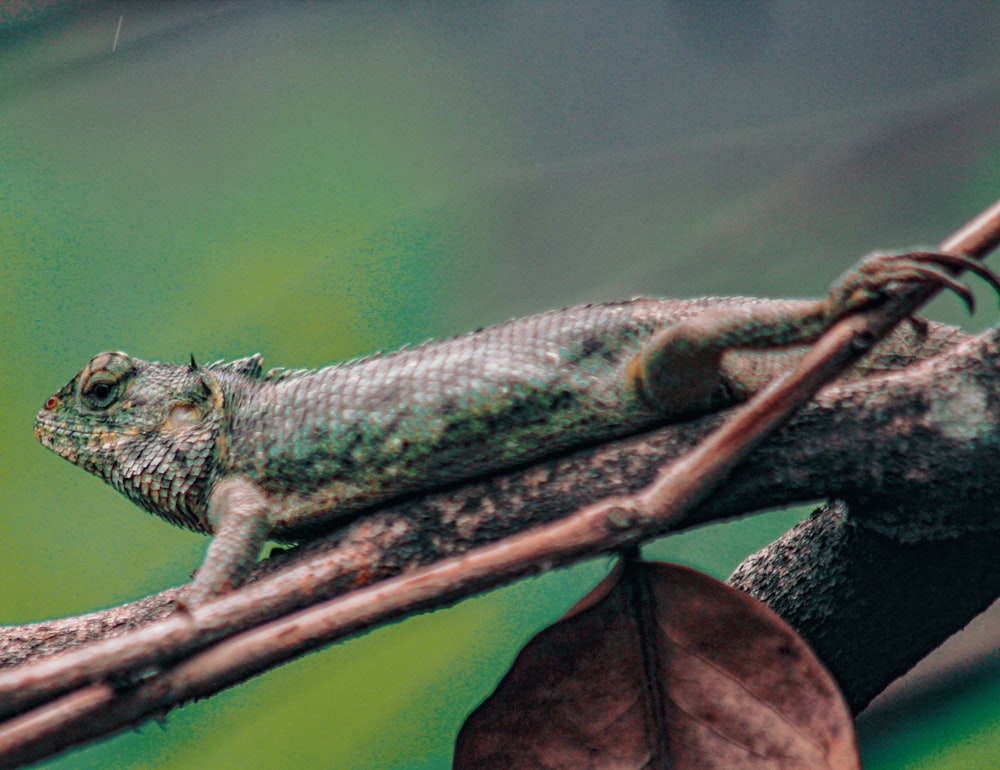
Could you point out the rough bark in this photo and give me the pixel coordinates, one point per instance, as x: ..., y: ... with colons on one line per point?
x: 914, y: 453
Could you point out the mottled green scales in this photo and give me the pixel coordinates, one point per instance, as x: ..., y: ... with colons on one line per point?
x: 245, y: 455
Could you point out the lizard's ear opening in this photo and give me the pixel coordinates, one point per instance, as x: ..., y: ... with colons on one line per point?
x: 183, y: 416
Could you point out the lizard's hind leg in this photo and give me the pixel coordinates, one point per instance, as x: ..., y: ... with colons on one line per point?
x: 678, y: 372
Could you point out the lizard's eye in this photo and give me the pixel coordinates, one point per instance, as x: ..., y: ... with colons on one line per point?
x: 99, y: 392
x: 104, y: 380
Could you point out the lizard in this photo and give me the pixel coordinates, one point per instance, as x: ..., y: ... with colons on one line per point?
x: 246, y: 456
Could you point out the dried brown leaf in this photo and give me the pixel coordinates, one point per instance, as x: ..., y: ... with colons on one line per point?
x: 662, y: 666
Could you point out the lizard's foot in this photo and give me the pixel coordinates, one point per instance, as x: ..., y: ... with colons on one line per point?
x: 879, y: 276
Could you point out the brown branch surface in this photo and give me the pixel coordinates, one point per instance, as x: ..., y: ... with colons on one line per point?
x: 882, y: 420
x: 812, y: 458
x: 875, y: 605
x: 885, y: 421
x: 608, y: 525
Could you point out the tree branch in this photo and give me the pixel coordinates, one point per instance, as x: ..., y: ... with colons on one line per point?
x: 813, y: 457
x: 669, y: 503
x: 911, y: 450
x: 870, y: 605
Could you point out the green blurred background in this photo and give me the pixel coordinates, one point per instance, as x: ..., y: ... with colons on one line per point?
x: 316, y: 181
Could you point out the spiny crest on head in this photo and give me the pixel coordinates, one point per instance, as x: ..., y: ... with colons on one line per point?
x: 248, y: 367
x: 192, y: 367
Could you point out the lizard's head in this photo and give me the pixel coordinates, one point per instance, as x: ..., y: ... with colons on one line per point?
x: 151, y: 430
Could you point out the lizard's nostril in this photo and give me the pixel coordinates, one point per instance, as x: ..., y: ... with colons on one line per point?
x: 51, y: 403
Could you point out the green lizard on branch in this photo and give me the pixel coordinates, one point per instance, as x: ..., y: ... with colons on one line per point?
x: 244, y: 455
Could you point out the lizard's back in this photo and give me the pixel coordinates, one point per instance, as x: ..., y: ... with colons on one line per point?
x: 332, y: 441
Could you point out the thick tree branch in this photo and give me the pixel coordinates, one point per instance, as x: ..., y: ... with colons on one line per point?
x: 873, y: 439
x: 870, y: 605
x: 669, y: 503
x: 882, y: 421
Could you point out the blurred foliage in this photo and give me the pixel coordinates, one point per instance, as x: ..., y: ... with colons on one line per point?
x: 316, y: 181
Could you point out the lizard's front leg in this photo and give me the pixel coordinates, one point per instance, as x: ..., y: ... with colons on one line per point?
x: 238, y: 513
x: 679, y: 371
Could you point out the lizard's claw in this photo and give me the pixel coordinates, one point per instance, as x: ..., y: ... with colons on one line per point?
x: 959, y: 261
x: 878, y: 275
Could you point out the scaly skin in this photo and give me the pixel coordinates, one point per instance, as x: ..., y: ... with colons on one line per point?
x: 228, y: 450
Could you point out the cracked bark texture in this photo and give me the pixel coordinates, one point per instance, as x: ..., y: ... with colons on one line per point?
x: 913, y: 454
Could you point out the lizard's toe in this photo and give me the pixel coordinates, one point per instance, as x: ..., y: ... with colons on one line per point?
x: 956, y: 261
x: 880, y: 275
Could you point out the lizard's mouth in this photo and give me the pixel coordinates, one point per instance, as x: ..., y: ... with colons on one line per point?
x: 80, y: 446
x: 47, y: 429
x: 61, y: 438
